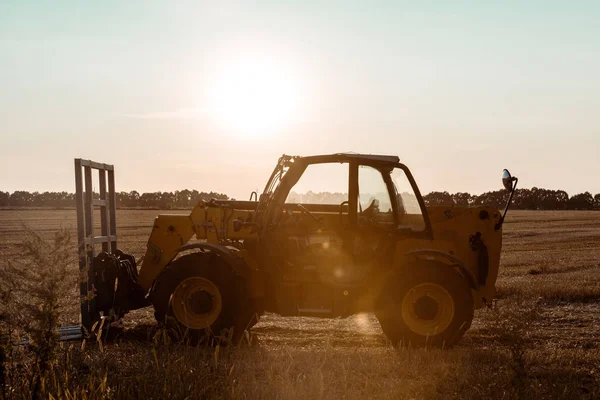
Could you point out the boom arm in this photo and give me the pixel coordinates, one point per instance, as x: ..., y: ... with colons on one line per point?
x: 207, y: 221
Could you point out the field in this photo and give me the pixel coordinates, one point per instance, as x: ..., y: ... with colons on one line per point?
x: 542, y: 340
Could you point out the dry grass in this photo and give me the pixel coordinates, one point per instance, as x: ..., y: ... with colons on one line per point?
x: 542, y: 341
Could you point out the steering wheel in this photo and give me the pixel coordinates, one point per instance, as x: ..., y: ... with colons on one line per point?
x: 305, y: 211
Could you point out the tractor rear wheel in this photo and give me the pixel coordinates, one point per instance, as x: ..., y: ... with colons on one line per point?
x: 200, y: 297
x: 427, y: 306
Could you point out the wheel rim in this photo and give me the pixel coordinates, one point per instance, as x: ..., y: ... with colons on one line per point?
x: 427, y: 309
x: 196, y: 302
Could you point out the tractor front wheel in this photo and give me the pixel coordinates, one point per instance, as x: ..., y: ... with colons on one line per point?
x: 200, y: 297
x: 426, y: 306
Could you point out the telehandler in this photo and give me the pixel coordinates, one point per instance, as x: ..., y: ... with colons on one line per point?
x: 300, y: 249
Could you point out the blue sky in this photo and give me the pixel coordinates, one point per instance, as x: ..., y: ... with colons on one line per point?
x: 459, y: 90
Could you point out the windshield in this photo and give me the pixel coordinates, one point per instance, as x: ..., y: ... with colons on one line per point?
x: 409, y: 209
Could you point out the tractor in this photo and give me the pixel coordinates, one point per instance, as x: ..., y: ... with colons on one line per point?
x: 330, y: 236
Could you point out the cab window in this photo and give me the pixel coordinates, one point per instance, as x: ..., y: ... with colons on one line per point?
x: 325, y: 184
x: 374, y: 201
x: 410, y: 214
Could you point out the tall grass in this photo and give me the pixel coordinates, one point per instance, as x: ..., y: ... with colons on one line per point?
x: 33, y: 290
x: 149, y: 371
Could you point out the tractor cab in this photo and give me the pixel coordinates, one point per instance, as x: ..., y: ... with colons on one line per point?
x: 364, y: 190
x: 330, y: 224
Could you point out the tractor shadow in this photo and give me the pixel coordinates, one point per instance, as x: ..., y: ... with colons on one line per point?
x: 115, y: 333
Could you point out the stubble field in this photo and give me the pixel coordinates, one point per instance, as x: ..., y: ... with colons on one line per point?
x: 542, y: 340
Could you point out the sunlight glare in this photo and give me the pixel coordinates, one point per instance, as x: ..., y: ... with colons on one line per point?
x: 255, y: 97
x: 362, y: 322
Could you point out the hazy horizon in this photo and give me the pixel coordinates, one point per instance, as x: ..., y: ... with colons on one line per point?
x: 208, y: 96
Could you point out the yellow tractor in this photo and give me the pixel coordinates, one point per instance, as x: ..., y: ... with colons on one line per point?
x: 330, y: 236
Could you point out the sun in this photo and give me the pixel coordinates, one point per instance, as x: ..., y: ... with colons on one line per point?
x: 255, y: 97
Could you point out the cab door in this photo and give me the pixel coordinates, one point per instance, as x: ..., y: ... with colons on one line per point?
x: 387, y: 210
x: 306, y: 244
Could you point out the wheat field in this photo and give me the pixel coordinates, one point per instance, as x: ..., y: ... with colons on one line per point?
x: 541, y: 340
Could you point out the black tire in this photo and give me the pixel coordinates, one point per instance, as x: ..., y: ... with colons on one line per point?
x: 210, y: 267
x: 414, y: 312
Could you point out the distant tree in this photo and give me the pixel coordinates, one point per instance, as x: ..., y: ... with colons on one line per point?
x: 582, y: 201
x: 182, y: 198
x: 540, y: 199
x: 463, y: 199
x: 4, y: 196
x: 496, y: 199
x: 525, y: 199
x: 150, y: 200
x: 561, y: 199
x: 67, y: 199
x: 133, y: 199
x: 36, y: 199
x: 166, y: 200
x: 20, y: 198
x: 120, y: 196
x: 438, y: 199
x: 597, y: 202
x: 128, y: 199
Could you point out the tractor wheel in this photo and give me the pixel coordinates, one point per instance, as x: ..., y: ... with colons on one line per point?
x: 200, y: 297
x: 427, y: 306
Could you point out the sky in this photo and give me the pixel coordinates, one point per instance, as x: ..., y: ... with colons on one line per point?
x: 207, y: 95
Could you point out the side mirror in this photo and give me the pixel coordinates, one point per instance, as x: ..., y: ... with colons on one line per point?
x: 507, y: 180
x: 510, y: 184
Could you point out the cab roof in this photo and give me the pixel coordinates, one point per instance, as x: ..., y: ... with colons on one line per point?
x: 350, y: 156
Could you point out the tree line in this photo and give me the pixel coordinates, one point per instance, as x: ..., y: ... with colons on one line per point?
x: 524, y: 199
x: 133, y: 199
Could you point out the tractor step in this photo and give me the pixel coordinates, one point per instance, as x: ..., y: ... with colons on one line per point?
x: 65, y: 333
x: 71, y: 332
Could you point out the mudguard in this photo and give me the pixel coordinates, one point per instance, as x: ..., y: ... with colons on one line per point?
x: 226, y: 253
x: 433, y: 255
x: 254, y: 285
